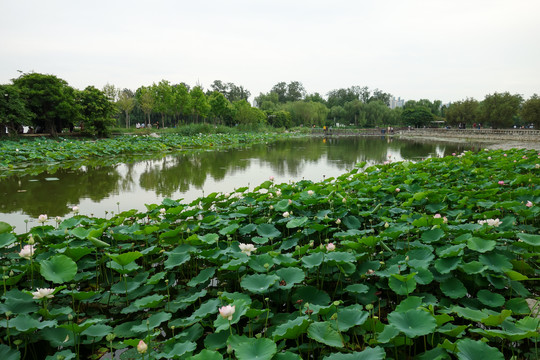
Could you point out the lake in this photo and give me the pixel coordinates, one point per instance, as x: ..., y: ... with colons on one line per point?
x: 102, y: 186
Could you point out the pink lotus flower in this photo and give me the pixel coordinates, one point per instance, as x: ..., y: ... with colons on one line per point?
x: 330, y: 247
x: 227, y: 311
x: 437, y: 216
x: 453, y: 154
x: 75, y: 209
x: 398, y: 189
x: 42, y: 218
x: 271, y: 178
x: 27, y: 252
x: 505, y: 155
x: 162, y: 211
x: 338, y: 221
x: 501, y: 182
x: 142, y: 347
x: 310, y: 192
x: 529, y: 204
x: 278, y: 193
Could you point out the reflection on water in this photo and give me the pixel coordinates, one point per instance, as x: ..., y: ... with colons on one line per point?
x: 102, y: 186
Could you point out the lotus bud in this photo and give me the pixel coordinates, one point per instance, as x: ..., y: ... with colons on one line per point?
x: 386, y: 225
x: 229, y: 349
x: 110, y: 337
x: 31, y: 240
x: 337, y: 303
x: 334, y: 316
x: 369, y: 307
x: 70, y: 317
x: 11, y: 273
x: 142, y: 347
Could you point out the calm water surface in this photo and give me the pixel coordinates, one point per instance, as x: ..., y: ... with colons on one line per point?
x: 100, y: 186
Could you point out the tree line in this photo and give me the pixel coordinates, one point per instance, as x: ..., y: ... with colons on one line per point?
x: 48, y: 104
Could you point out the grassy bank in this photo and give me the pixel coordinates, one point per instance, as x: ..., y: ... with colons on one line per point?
x: 434, y: 260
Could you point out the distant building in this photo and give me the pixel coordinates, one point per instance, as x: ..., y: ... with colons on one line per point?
x: 394, y: 103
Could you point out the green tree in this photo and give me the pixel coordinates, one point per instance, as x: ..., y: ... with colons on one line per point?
x: 355, y: 113
x: 126, y: 103
x: 181, y: 101
x: 280, y: 118
x: 462, y: 112
x: 111, y: 92
x: 416, y: 116
x: 13, y: 111
x: 379, y: 95
x: 376, y: 113
x: 163, y: 99
x: 50, y: 99
x: 220, y: 108
x: 244, y: 114
x: 146, y: 101
x: 530, y: 111
x: 315, y: 97
x: 499, y: 109
x: 199, y: 103
x: 97, y: 111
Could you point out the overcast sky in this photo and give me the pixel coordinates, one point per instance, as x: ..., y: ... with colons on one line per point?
x: 434, y: 49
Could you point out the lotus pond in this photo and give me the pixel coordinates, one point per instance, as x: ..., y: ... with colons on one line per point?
x: 431, y: 260
x: 107, y: 184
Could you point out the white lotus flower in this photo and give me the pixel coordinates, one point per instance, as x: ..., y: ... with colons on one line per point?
x: 42, y: 218
x: 27, y: 252
x: 227, y: 311
x: 247, y: 248
x: 43, y: 293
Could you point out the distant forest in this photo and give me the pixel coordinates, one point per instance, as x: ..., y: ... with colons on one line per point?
x: 49, y: 104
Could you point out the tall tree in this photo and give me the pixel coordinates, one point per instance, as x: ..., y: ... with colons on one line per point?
x: 126, y: 103
x: 499, y: 109
x: 530, y: 111
x: 97, y: 111
x: 146, y: 101
x: 50, y: 99
x: 462, y: 112
x: 181, y: 101
x: 111, y: 92
x: 416, y: 116
x: 220, y: 108
x: 199, y: 103
x: 13, y: 111
x: 163, y: 99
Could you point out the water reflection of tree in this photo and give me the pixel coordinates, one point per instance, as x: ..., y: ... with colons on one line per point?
x: 34, y: 195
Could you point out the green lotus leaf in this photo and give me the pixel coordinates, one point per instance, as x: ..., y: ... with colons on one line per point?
x: 5, y: 227
x: 445, y: 265
x: 152, y: 322
x: 431, y: 236
x: 247, y: 229
x: 389, y: 332
x: 58, y: 269
x: 76, y: 253
x: 413, y: 323
x: 473, y: 350
x: 473, y: 267
x: 470, y: 314
x: 481, y: 245
x: 258, y: 283
x: 420, y: 258
x: 25, y: 322
x: 19, y: 303
x: 216, y: 340
x: 435, y: 354
x: 357, y: 289
x: 202, y: 277
x: 311, y: 295
x: 340, y: 258
x: 410, y: 303
x: 207, y: 355
x: 291, y: 329
x: 209, y: 238
x: 177, y: 257
x: 268, y: 231
x: 496, y: 319
x: 7, y: 239
x: 290, y: 276
x: 514, y: 275
x: 452, y: 330
x: 423, y: 276
x: 97, y: 330
x: 402, y: 285
x: 8, y: 353
x: 352, y: 222
x: 79, y: 232
x: 324, y: 333
x: 313, y: 260
x: 450, y: 251
x: 517, y: 306
x: 376, y: 353
x: 252, y: 348
x: 453, y: 288
x: 179, y: 349
x: 286, y: 355
x: 229, y: 230
x: 495, y: 262
x: 97, y: 243
x: 125, y: 258
x: 489, y: 298
x: 297, y: 222
x: 261, y: 263
x: 348, y: 318
x: 150, y: 301
x: 530, y: 239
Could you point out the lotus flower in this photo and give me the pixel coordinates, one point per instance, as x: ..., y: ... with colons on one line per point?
x: 42, y: 218
x: 310, y: 192
x: 338, y: 221
x: 75, y: 209
x: 529, y: 204
x: 162, y: 211
x: 271, y: 178
x: 278, y: 193
x: 330, y: 247
x: 142, y: 347
x: 398, y: 189
x: 437, y: 216
x: 247, y: 248
x: 227, y: 312
x: 490, y: 222
x: 43, y: 293
x: 286, y: 214
x: 501, y: 182
x: 27, y: 252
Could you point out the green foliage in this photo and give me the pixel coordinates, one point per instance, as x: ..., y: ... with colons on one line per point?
x: 498, y: 109
x: 530, y: 111
x: 463, y: 112
x: 421, y: 286
x: 417, y: 116
x: 97, y: 111
x: 13, y: 111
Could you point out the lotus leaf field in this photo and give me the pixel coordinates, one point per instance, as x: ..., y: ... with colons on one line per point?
x: 25, y: 151
x: 430, y: 260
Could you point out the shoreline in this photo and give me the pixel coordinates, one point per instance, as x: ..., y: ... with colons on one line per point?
x: 492, y: 144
